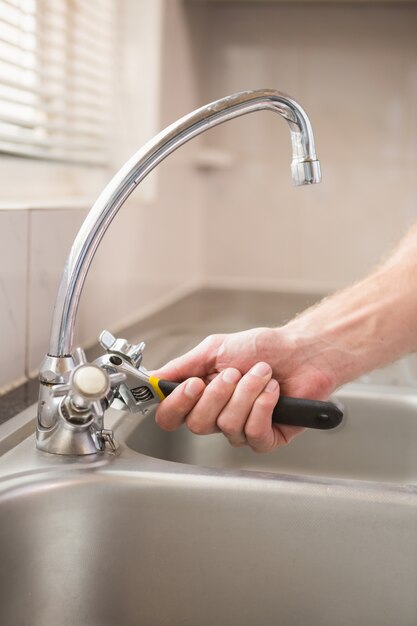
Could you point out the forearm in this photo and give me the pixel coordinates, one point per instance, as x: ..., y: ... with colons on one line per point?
x: 365, y: 326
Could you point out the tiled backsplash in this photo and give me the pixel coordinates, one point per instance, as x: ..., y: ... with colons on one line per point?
x: 13, y: 296
x: 143, y: 260
x: 51, y: 235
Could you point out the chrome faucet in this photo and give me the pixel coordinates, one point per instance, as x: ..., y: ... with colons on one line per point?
x: 73, y: 393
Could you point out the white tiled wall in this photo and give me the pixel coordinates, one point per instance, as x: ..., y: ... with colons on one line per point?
x: 51, y: 235
x: 13, y: 294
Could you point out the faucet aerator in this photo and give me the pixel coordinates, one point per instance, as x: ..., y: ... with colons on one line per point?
x: 305, y: 172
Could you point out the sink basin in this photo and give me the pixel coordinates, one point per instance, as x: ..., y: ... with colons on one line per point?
x: 180, y: 530
x: 376, y: 441
x: 130, y: 539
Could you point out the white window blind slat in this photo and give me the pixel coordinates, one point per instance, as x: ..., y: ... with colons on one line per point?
x: 83, y: 158
x: 65, y: 127
x: 51, y: 145
x: 26, y: 87
x: 26, y: 27
x: 56, y: 72
x: 80, y: 105
x: 81, y: 109
x: 27, y: 7
x: 55, y: 30
x: 86, y: 56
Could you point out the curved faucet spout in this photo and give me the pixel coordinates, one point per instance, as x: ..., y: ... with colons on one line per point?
x: 305, y: 170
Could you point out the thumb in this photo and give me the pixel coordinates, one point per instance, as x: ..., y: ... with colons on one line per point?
x: 197, y: 362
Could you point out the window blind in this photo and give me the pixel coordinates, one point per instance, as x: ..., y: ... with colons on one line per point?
x: 56, y: 78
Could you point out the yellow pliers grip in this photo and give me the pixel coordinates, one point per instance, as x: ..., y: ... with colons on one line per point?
x: 161, y: 387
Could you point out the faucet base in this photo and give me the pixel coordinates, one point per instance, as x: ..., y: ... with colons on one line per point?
x: 68, y: 440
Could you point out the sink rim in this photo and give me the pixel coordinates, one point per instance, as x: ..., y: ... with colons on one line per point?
x: 134, y: 467
x: 19, y: 458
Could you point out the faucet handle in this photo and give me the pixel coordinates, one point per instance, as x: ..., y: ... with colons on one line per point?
x: 133, y: 352
x: 88, y: 385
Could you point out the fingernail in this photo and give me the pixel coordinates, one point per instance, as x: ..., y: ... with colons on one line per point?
x: 271, y: 386
x: 261, y: 370
x: 193, y: 388
x: 232, y: 376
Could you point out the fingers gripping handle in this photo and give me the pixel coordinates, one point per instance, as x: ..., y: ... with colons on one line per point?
x: 291, y: 411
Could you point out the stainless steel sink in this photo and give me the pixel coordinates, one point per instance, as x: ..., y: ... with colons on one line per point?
x: 130, y: 539
x: 180, y: 530
x: 376, y: 441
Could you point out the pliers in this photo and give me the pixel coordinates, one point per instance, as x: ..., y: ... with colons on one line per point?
x: 141, y: 392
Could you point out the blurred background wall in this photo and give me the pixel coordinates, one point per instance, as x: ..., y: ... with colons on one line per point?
x: 222, y: 210
x: 353, y: 66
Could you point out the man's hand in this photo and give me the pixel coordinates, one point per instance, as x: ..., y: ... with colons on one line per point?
x: 231, y: 385
x: 352, y: 332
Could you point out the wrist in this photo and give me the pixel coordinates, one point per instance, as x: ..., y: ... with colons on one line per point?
x: 323, y: 349
x: 296, y: 357
x: 362, y: 328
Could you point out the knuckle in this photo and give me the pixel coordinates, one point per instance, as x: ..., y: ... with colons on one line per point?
x: 252, y: 384
x: 259, y: 449
x: 159, y: 419
x: 210, y: 341
x: 254, y: 432
x: 164, y: 423
x: 227, y: 427
x: 237, y: 444
x: 196, y: 426
x: 218, y: 391
x: 265, y: 401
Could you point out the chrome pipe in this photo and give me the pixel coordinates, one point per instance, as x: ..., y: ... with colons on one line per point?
x: 305, y: 170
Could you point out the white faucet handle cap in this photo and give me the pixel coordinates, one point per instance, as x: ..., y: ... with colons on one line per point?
x: 90, y: 381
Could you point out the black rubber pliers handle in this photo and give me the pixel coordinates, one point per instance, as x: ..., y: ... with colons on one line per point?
x: 290, y: 411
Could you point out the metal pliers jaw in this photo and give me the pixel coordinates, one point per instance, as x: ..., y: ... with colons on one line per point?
x: 139, y: 392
